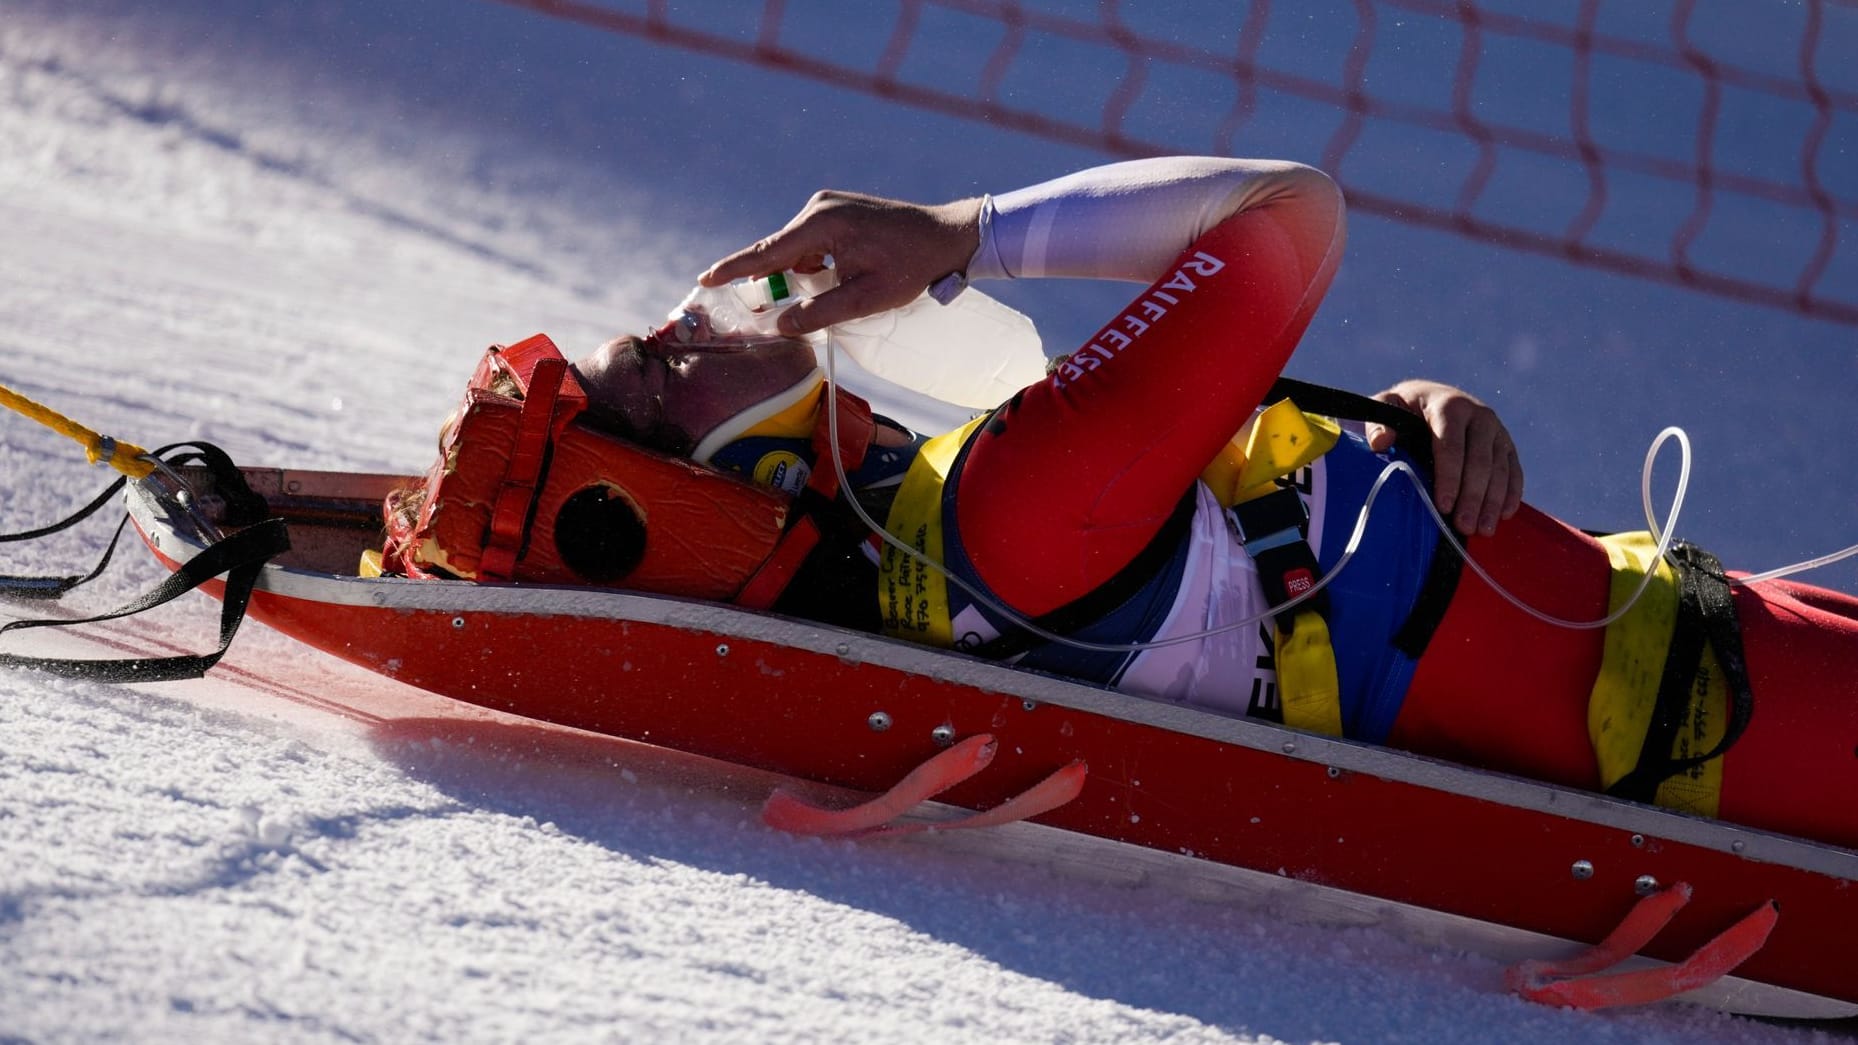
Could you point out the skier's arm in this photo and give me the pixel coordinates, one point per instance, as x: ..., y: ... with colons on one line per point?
x: 1122, y: 221
x: 1128, y: 221
x: 1236, y: 257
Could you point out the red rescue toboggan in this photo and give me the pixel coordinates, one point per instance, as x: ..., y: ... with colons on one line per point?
x: 562, y: 577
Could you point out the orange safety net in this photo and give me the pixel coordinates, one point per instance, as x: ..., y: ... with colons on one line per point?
x: 1467, y: 117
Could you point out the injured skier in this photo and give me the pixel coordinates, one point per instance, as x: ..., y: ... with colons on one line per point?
x: 1109, y: 504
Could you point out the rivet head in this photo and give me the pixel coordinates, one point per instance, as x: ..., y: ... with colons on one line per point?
x: 1334, y: 773
x: 879, y: 721
x: 943, y: 735
x: 842, y: 648
x: 1290, y: 747
x: 1645, y: 885
x: 457, y: 622
x: 1582, y: 870
x: 1028, y: 705
x: 1638, y: 841
x: 1738, y: 845
x: 722, y: 649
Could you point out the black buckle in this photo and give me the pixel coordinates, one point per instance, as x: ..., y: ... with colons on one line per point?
x: 1271, y: 529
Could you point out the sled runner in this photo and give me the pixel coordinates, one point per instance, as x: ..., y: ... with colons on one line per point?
x: 1501, y: 864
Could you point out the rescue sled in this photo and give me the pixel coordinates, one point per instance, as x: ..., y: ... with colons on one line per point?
x: 1328, y: 829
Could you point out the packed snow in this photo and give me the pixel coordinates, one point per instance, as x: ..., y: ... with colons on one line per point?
x: 290, y: 229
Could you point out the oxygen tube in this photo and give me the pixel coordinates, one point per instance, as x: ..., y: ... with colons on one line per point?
x: 1663, y: 532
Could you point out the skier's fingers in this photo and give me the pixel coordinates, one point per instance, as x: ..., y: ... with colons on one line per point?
x: 797, y: 244
x: 1513, y: 498
x: 1492, y: 488
x: 1381, y: 437
x: 1477, y: 477
x: 1473, y: 478
x: 1448, y: 457
x: 885, y: 252
x: 828, y: 221
x: 1486, y: 480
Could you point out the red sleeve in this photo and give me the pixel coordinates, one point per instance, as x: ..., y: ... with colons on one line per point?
x: 1074, y: 476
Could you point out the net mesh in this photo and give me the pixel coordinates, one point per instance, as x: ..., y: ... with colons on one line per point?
x: 1706, y: 146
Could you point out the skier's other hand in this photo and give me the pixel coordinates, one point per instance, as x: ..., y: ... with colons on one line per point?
x: 1477, y: 477
x: 886, y: 253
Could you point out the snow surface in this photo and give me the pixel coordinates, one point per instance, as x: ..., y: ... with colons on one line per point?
x: 290, y: 228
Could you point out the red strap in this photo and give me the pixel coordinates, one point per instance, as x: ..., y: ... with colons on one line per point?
x: 1585, y: 982
x: 856, y: 427
x: 521, y: 362
x: 778, y: 570
x: 509, y: 518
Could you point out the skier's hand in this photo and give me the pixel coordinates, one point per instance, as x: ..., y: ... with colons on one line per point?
x: 1477, y: 478
x: 886, y: 253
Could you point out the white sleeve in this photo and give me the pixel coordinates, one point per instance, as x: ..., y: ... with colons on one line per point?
x: 1130, y: 220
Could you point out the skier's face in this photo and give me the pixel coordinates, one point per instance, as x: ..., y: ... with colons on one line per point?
x: 669, y: 396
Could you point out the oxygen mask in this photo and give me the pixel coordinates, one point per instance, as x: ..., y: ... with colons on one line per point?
x: 739, y: 315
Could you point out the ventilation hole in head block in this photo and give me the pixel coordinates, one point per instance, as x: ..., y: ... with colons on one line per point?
x: 599, y: 534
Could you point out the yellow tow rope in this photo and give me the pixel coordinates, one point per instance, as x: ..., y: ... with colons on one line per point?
x: 126, y: 458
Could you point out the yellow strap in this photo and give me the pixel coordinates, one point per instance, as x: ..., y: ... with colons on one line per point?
x: 126, y: 458
x: 913, y: 597
x: 1625, y: 693
x: 1619, y: 710
x: 1706, y: 718
x: 1277, y: 442
x: 1306, y: 676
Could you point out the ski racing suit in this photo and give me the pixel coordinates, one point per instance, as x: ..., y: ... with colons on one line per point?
x: 1091, y: 476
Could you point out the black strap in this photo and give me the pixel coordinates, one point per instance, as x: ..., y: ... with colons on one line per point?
x: 1410, y: 430
x: 49, y: 588
x: 13, y: 586
x: 240, y: 557
x: 1435, y: 597
x: 1414, y: 436
x: 243, y: 507
x: 1705, y: 614
x: 1288, y: 568
x: 69, y: 521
